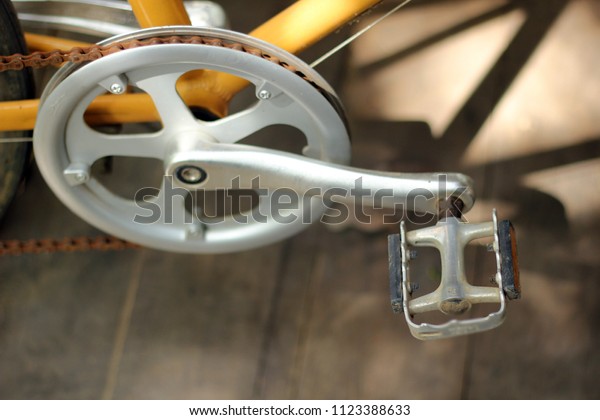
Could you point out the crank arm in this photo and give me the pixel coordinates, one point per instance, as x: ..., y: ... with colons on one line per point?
x: 267, y: 169
x: 454, y: 294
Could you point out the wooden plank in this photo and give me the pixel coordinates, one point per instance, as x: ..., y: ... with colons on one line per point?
x: 197, y: 326
x: 58, y: 312
x: 280, y: 366
x: 547, y: 347
x: 356, y: 347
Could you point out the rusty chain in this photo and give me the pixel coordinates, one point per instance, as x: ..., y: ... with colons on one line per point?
x: 56, y: 58
x: 37, y: 60
x: 81, y: 243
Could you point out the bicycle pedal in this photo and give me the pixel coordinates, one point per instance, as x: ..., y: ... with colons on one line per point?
x: 454, y: 295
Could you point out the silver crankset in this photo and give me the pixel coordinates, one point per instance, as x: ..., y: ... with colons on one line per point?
x: 199, y: 156
x: 66, y: 147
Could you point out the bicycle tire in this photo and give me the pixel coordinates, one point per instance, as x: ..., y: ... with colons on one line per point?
x: 14, y: 85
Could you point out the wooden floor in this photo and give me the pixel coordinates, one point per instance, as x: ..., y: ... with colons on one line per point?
x: 507, y: 92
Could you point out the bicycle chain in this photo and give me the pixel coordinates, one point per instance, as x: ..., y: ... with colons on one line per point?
x: 37, y: 60
x: 82, y: 243
x: 56, y: 58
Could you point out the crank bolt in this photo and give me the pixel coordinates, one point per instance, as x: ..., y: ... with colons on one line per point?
x: 191, y: 174
x: 264, y: 94
x: 117, y: 89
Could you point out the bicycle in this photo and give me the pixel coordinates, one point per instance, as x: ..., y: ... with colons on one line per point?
x: 179, y: 80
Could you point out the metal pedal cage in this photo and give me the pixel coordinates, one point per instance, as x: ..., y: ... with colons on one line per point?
x: 454, y: 294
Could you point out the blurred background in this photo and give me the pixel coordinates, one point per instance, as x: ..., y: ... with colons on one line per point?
x: 505, y: 91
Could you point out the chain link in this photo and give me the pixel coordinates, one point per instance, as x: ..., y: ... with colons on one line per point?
x: 81, y: 243
x: 56, y: 58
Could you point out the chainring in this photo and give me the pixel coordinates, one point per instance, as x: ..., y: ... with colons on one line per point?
x: 65, y: 145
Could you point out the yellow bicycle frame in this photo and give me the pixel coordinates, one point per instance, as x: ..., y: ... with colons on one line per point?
x: 294, y: 29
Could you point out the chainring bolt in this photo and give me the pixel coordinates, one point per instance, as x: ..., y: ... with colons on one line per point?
x: 117, y: 89
x: 77, y: 174
x: 194, y: 230
x: 264, y: 94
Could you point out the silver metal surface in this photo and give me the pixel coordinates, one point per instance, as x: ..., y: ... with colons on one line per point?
x: 62, y: 138
x: 455, y: 294
x: 77, y: 173
x: 223, y: 162
x: 102, y: 18
x: 117, y: 89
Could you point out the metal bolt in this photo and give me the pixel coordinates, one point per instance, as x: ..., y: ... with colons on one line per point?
x: 195, y: 230
x: 412, y: 254
x: 117, y: 89
x: 77, y: 174
x: 490, y: 248
x: 191, y: 174
x: 80, y: 177
x: 264, y: 94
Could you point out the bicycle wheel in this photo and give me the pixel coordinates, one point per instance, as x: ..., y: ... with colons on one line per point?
x: 14, y: 85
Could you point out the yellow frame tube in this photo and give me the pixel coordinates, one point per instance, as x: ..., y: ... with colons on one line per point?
x: 298, y: 27
x: 37, y: 42
x: 18, y: 115
x: 307, y: 21
x: 150, y: 13
x: 294, y: 29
